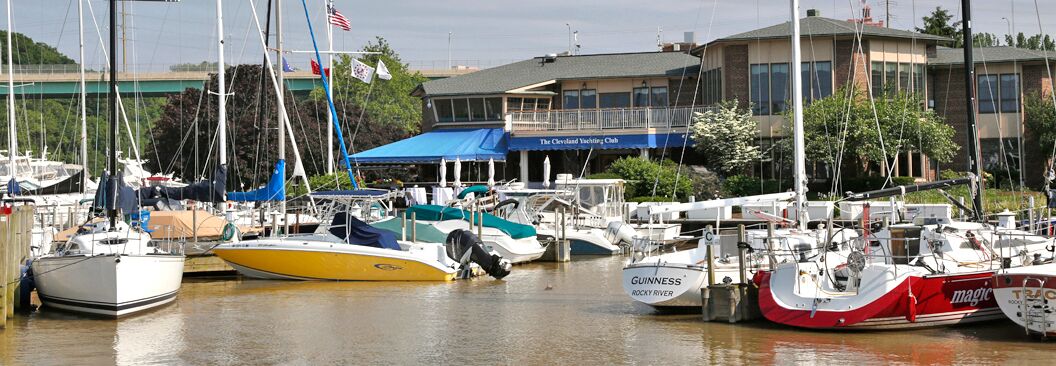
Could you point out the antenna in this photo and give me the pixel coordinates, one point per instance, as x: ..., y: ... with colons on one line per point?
x: 575, y: 37
x: 659, y: 37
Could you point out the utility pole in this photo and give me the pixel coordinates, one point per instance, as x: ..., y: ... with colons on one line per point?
x: 569, y: 38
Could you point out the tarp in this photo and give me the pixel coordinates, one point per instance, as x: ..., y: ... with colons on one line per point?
x: 275, y: 190
x: 354, y: 231
x: 182, y: 225
x: 473, y: 189
x: 211, y: 190
x: 599, y: 141
x: 478, y: 144
x: 426, y: 233
x: 72, y: 184
x: 440, y: 213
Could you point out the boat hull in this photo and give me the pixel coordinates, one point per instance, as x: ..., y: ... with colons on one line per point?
x: 665, y: 285
x: 108, y: 285
x: 911, y: 302
x: 1028, y: 298
x: 342, y: 264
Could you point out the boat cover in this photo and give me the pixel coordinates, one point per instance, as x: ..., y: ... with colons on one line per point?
x: 440, y: 213
x: 477, y: 144
x: 426, y: 233
x: 203, y: 191
x: 113, y: 193
x: 72, y: 184
x: 473, y: 189
x: 357, y: 232
x: 275, y: 190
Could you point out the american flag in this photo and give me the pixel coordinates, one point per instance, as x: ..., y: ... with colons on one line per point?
x: 336, y: 18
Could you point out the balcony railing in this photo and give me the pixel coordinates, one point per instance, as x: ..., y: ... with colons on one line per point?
x: 604, y: 119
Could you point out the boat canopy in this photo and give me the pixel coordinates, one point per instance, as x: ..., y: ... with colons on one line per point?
x: 474, y: 190
x: 424, y: 233
x: 478, y: 144
x: 275, y: 190
x: 356, y: 232
x: 440, y: 213
x: 206, y: 190
x: 355, y: 194
x: 72, y: 184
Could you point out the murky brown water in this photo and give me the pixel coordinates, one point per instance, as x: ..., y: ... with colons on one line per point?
x: 584, y: 319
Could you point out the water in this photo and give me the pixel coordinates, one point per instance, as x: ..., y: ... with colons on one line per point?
x: 584, y: 318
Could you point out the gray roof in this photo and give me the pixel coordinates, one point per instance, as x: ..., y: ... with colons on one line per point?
x: 500, y: 79
x: 955, y: 56
x: 819, y: 26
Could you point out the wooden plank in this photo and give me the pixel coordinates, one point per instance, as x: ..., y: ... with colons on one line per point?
x: 206, y: 264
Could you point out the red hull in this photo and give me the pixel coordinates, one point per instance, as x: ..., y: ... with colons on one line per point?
x: 936, y: 300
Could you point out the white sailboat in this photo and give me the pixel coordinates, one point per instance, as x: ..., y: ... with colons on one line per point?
x: 110, y: 268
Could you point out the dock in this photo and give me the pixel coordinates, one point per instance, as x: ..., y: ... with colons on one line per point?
x: 16, y: 225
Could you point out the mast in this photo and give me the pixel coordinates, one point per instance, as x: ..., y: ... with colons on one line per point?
x: 221, y: 88
x: 799, y: 145
x: 84, y: 99
x: 12, y: 142
x: 111, y: 188
x: 329, y: 90
x: 281, y: 93
x: 975, y: 159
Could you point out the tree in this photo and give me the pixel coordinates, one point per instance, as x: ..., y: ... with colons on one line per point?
x: 938, y: 23
x: 201, y: 66
x: 725, y: 137
x: 986, y: 40
x: 390, y: 101
x: 1040, y: 117
x: 644, y: 175
x: 30, y: 52
x: 845, y: 128
x: 1035, y: 42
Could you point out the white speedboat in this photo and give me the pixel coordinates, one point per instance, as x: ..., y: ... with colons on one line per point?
x: 538, y: 208
x: 514, y: 242
x: 110, y: 271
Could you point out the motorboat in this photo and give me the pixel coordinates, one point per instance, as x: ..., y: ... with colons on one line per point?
x: 515, y: 242
x: 555, y: 215
x: 348, y: 249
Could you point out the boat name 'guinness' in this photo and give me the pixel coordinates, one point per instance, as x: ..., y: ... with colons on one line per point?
x: 667, y: 281
x: 971, y: 297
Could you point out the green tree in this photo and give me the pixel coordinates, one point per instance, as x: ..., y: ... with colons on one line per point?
x: 390, y: 101
x: 1040, y: 118
x: 1035, y: 42
x: 938, y: 23
x: 30, y: 52
x: 845, y: 128
x: 986, y: 40
x: 201, y: 66
x: 726, y: 137
x: 644, y: 175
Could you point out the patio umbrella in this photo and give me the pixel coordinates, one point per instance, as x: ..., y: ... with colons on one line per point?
x: 491, y: 172
x: 443, y: 172
x: 546, y: 172
x: 458, y: 172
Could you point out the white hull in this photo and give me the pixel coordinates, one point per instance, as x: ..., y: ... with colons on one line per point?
x: 109, y: 285
x: 514, y: 250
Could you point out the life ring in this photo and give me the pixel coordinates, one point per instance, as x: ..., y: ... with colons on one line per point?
x: 229, y: 232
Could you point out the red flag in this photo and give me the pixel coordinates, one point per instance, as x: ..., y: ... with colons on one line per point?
x: 315, y: 69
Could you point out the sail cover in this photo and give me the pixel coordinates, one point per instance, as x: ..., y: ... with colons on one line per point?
x: 204, y: 191
x: 72, y: 184
x: 275, y: 190
x: 113, y: 193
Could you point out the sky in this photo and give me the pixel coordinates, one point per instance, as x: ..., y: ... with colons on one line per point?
x: 483, y: 33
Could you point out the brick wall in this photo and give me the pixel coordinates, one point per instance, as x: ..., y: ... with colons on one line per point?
x: 948, y: 92
x: 735, y: 73
x: 850, y: 65
x: 680, y: 91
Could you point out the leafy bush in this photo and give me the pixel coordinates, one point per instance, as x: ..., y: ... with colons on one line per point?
x: 862, y: 184
x: 642, y: 175
x: 743, y: 185
x: 604, y: 175
x: 649, y: 199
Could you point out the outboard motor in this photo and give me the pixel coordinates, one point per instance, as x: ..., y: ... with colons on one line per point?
x: 465, y: 247
x: 620, y: 233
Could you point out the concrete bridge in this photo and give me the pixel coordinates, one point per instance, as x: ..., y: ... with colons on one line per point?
x: 62, y: 81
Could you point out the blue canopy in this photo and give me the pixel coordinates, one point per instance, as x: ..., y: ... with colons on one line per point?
x: 478, y: 144
x: 274, y: 191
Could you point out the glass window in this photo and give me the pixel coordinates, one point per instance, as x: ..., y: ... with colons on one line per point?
x: 542, y: 104
x: 588, y: 99
x: 641, y: 97
x: 659, y: 97
x: 476, y: 109
x: 779, y: 87
x: 514, y: 104
x: 878, y: 77
x: 444, y: 113
x: 493, y: 108
x: 571, y: 99
x: 461, y: 106
x: 903, y: 77
x: 987, y: 93
x: 1009, y: 93
x: 529, y: 104
x: 804, y: 74
x: 890, y: 77
x: 614, y: 100
x: 918, y: 79
x: 822, y: 79
x: 760, y: 93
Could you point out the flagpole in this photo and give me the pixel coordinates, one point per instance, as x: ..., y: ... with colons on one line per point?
x: 329, y: 90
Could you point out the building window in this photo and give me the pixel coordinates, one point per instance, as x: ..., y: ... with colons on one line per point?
x: 1009, y: 93
x: 918, y: 79
x: 588, y: 99
x: 444, y: 112
x: 904, y: 70
x: 641, y: 97
x: 461, y: 109
x: 822, y: 80
x: 571, y: 99
x: 476, y: 109
x: 614, y: 100
x: 659, y: 96
x: 760, y: 93
x: 890, y: 77
x: 779, y: 87
x: 987, y: 93
x: 514, y: 104
x: 493, y: 109
x: 712, y: 88
x: 804, y: 74
x: 878, y: 78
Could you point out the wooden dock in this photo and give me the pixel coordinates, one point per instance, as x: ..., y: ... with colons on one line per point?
x: 16, y: 226
x: 206, y: 265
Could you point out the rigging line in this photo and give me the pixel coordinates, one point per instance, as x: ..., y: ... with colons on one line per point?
x: 872, y: 104
x: 849, y: 100
x: 1052, y: 95
x: 693, y: 101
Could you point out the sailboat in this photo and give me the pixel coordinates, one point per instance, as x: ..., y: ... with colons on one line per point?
x: 110, y: 267
x: 928, y: 272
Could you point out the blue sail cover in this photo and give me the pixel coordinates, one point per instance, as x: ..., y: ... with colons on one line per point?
x: 356, y: 232
x: 274, y: 191
x: 478, y: 144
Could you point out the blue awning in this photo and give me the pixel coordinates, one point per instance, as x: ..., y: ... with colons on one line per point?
x: 600, y: 141
x: 478, y: 144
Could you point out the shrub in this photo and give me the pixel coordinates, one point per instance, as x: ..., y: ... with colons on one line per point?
x: 604, y: 175
x: 643, y: 175
x: 649, y: 199
x: 743, y: 185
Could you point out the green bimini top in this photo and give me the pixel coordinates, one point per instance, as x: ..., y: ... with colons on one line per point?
x: 473, y: 189
x: 426, y: 233
x: 440, y: 213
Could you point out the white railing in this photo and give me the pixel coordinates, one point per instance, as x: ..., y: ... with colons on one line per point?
x: 602, y: 119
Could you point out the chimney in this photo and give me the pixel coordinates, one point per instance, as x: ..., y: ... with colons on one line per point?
x: 689, y: 37
x: 813, y: 13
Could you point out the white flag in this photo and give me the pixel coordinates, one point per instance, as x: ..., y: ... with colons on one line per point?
x: 383, y: 72
x: 361, y: 71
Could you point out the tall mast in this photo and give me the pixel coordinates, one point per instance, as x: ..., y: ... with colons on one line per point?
x: 797, y: 122
x: 111, y: 188
x: 975, y: 159
x: 84, y: 99
x: 221, y: 89
x: 12, y: 142
x: 329, y: 90
x: 281, y: 93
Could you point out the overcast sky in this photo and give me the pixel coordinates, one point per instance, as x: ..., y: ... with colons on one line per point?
x: 485, y: 32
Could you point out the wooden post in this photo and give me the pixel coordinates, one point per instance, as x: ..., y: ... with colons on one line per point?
x: 414, y: 226
x: 742, y: 237
x: 297, y: 221
x: 710, y: 259
x: 4, y: 270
